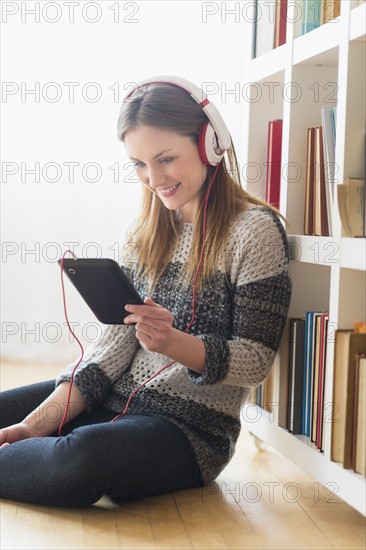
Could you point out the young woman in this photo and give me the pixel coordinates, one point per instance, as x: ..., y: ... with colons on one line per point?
x: 211, y: 262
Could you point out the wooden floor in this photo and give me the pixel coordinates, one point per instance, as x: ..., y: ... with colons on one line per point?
x: 260, y: 501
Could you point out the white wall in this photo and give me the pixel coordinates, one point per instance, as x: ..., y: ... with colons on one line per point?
x: 149, y: 38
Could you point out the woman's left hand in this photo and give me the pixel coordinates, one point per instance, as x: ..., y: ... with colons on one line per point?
x: 154, y: 324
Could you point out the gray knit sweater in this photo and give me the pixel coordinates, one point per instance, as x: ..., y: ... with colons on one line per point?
x: 240, y: 317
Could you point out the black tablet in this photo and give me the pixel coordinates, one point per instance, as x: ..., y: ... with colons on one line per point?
x: 104, y: 286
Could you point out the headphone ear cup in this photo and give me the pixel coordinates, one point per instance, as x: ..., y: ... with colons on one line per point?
x: 208, y: 148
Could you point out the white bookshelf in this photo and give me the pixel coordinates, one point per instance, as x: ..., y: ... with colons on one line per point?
x: 327, y: 65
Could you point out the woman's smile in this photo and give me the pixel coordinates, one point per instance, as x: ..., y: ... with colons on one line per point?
x: 168, y: 191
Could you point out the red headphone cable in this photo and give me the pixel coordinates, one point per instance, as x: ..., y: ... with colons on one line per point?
x: 78, y: 341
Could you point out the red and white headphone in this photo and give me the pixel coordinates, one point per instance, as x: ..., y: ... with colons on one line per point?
x: 214, y: 138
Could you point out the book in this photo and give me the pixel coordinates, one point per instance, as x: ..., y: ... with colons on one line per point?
x: 342, y: 208
x: 268, y: 391
x: 347, y: 344
x: 359, y: 326
x: 281, y: 21
x: 309, y: 182
x: 341, y: 351
x: 263, y: 395
x: 284, y: 376
x: 320, y: 202
x: 296, y: 375
x: 309, y: 348
x: 321, y: 381
x: 315, y: 388
x: 316, y: 208
x: 273, y: 162
x: 350, y: 196
x: 364, y: 182
x: 259, y: 395
x: 355, y: 199
x: 357, y: 345
x: 311, y: 15
x: 322, y: 431
x: 330, y: 10
x: 359, y: 439
x: 329, y: 158
x: 264, y: 28
x: 334, y: 124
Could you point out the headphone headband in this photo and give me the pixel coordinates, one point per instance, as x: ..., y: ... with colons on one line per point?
x: 196, y: 92
x: 215, y: 137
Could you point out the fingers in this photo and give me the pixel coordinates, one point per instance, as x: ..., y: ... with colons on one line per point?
x: 3, y: 438
x: 150, y: 314
x: 142, y: 329
x: 157, y: 312
x: 150, y: 338
x: 151, y: 302
x: 153, y: 323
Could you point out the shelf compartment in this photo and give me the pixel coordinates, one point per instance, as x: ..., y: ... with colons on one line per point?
x: 353, y: 253
x: 351, y: 123
x: 277, y: 59
x: 320, y: 46
x: 314, y: 250
x: 314, y: 87
x: 351, y: 487
x: 352, y: 297
x: 265, y: 104
x: 357, y: 30
x: 310, y: 288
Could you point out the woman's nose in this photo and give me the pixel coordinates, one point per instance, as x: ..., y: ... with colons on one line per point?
x: 154, y: 177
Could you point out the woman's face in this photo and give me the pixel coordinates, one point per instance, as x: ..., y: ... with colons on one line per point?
x: 169, y: 165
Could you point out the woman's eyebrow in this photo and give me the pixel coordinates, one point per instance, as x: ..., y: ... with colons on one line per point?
x: 156, y: 156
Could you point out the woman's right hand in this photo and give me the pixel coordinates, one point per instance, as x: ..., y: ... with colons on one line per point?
x: 39, y: 423
x: 13, y: 433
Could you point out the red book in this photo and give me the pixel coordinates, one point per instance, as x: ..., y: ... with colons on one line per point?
x: 273, y: 162
x: 322, y: 358
x: 281, y: 19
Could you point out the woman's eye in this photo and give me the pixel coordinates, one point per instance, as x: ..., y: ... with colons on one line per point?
x: 166, y: 160
x: 162, y: 161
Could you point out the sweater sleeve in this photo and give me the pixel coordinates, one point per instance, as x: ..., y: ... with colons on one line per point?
x: 260, y: 298
x: 106, y: 359
x: 103, y: 362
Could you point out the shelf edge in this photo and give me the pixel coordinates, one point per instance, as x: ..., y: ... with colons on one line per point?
x: 351, y: 486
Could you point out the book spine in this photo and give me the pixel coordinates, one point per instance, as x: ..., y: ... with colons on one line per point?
x: 273, y: 162
x: 282, y: 22
x: 311, y: 370
x: 331, y: 10
x: 309, y: 183
x: 314, y: 414
x: 364, y: 183
x: 311, y: 15
x: 323, y: 195
x: 329, y: 160
x: 295, y: 375
x: 306, y: 373
x: 322, y: 343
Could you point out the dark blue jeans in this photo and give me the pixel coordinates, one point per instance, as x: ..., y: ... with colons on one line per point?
x: 134, y: 457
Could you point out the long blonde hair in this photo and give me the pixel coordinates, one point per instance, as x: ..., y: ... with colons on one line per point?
x: 171, y: 108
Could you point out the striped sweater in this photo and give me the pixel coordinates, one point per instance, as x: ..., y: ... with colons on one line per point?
x: 240, y: 316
